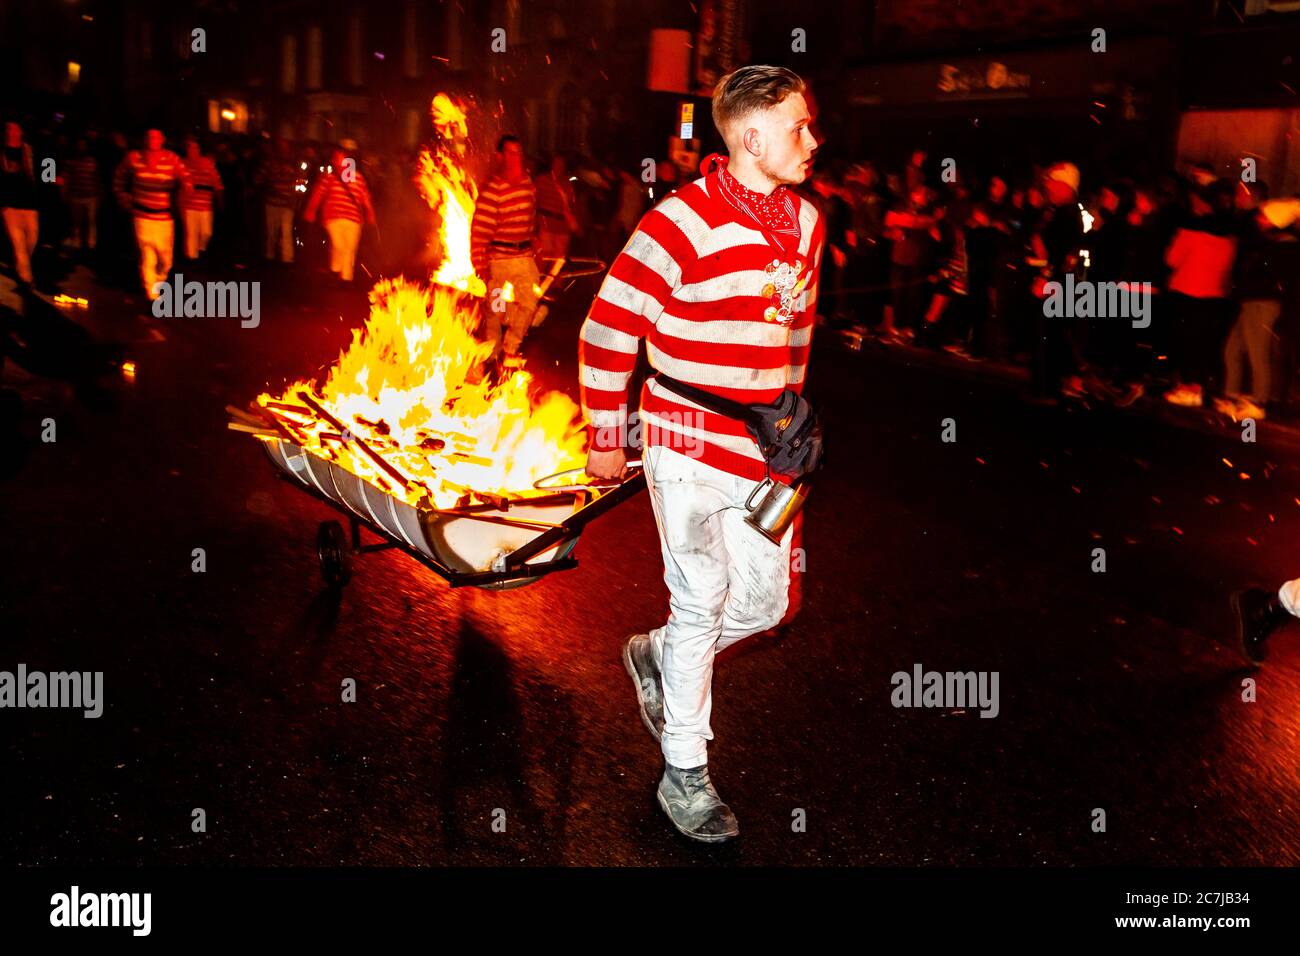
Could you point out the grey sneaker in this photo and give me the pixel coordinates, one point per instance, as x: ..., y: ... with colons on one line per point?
x: 639, y: 660
x: 691, y: 802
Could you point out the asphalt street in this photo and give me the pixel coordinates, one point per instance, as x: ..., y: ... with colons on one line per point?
x: 1120, y: 690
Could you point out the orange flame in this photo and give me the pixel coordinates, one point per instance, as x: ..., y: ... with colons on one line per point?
x: 450, y: 191
x: 411, y: 384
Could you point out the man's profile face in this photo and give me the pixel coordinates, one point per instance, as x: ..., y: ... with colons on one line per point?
x: 784, y: 139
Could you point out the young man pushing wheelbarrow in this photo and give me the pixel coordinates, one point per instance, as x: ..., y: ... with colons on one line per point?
x: 720, y: 280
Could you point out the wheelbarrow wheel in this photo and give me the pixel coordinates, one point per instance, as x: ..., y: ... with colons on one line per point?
x: 335, y: 558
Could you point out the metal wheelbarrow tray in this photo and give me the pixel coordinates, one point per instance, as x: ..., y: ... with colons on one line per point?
x: 507, y: 542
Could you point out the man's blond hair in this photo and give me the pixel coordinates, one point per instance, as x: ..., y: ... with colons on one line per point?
x: 751, y: 88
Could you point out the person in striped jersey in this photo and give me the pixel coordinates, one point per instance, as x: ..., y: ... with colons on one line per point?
x: 720, y: 280
x: 18, y: 199
x: 504, y: 245
x: 145, y: 182
x: 342, y: 200
x: 197, y: 198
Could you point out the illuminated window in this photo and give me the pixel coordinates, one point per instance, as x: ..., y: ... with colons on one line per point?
x: 74, y: 72
x: 227, y: 116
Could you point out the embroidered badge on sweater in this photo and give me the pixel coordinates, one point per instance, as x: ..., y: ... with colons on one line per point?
x: 784, y: 284
x: 777, y: 216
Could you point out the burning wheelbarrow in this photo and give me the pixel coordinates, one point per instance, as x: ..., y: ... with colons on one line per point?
x: 406, y: 439
x: 486, y: 540
x: 418, y: 435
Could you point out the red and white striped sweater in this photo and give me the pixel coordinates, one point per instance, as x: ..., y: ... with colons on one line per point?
x: 332, y: 198
x: 145, y: 182
x: 719, y: 305
x: 205, y: 183
x: 505, y: 212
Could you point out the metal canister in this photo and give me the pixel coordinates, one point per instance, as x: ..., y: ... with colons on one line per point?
x: 774, y: 514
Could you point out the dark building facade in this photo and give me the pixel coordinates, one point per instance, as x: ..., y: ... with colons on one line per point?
x: 1004, y: 86
x: 562, y: 74
x: 1000, y: 85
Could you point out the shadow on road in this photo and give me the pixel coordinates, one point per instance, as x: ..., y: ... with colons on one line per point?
x: 484, y: 777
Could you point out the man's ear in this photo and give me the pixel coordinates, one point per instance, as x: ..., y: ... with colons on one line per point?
x: 753, y: 141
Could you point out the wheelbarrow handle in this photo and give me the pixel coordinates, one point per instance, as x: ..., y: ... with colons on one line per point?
x: 542, y: 484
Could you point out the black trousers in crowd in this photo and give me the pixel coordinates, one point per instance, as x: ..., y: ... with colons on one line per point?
x: 1057, y: 349
x: 1197, y: 331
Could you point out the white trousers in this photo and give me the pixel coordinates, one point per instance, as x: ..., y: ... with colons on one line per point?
x: 1289, y: 595
x: 198, y: 230
x: 345, y: 236
x: 155, y: 237
x: 725, y: 581
x: 24, y: 227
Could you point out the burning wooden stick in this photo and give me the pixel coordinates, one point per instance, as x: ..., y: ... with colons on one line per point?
x: 289, y: 430
x: 286, y: 407
x: 258, y: 422
x: 261, y: 432
x: 374, y: 456
x: 247, y: 418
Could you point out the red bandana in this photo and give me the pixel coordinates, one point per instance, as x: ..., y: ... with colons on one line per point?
x: 776, y: 213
